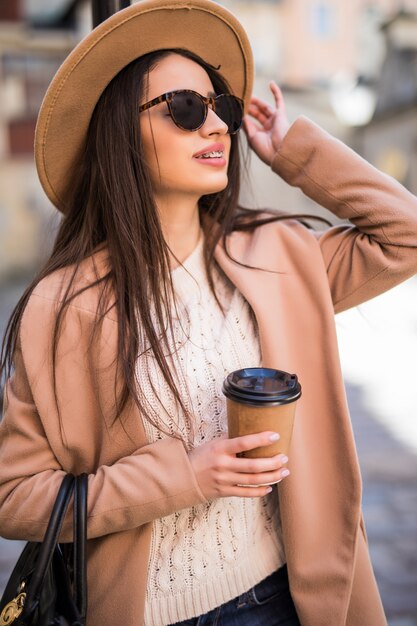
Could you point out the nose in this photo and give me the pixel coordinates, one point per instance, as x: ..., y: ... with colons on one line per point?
x: 213, y: 124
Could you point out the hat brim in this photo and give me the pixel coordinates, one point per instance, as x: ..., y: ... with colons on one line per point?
x: 200, y: 26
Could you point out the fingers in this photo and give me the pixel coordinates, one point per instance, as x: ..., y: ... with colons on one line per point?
x: 256, y: 466
x: 263, y: 111
x: 250, y: 127
x: 248, y: 442
x: 220, y: 473
x: 249, y: 487
x: 277, y: 93
x: 250, y: 492
x: 257, y: 471
x: 266, y: 478
x: 261, y: 107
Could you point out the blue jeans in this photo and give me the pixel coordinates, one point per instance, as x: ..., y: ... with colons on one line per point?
x: 268, y: 603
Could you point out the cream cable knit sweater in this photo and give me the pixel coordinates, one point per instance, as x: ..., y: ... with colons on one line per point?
x: 206, y: 555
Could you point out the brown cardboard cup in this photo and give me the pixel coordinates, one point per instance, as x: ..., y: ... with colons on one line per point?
x: 261, y: 399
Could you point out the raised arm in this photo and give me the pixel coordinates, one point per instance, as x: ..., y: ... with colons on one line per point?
x: 378, y: 249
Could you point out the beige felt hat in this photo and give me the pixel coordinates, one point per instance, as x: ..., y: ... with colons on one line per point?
x: 200, y: 26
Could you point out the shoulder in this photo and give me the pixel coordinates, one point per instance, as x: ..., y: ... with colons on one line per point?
x: 287, y: 230
x: 80, y: 285
x: 277, y: 246
x: 47, y: 313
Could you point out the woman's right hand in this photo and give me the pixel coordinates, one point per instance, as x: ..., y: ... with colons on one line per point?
x: 219, y: 471
x: 266, y: 131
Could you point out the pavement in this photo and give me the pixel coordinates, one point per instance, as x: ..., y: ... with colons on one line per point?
x: 389, y: 470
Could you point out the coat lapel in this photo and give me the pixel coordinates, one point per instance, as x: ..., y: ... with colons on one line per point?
x: 320, y: 501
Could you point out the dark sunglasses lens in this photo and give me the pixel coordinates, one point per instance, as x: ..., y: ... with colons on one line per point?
x: 230, y: 111
x: 188, y: 110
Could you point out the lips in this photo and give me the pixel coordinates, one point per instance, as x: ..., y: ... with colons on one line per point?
x: 214, y: 147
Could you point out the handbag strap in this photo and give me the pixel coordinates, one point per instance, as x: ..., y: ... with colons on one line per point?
x: 51, y: 537
x: 70, y: 484
x: 80, y: 540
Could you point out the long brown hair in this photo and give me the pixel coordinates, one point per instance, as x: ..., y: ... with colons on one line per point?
x: 112, y: 205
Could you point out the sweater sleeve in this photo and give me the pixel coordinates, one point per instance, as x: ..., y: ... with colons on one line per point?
x: 378, y: 248
x: 153, y: 481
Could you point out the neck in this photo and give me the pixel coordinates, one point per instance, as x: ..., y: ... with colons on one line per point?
x: 180, y: 226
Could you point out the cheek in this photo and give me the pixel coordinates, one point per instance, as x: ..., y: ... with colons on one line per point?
x: 159, y: 148
x: 168, y: 162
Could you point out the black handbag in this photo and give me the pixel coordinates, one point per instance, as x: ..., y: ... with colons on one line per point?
x: 48, y: 584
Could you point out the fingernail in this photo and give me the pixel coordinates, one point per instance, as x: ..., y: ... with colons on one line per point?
x: 269, y: 490
x: 274, y: 437
x: 285, y: 472
x: 284, y: 459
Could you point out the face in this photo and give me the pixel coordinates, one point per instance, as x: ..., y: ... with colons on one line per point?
x: 170, y: 151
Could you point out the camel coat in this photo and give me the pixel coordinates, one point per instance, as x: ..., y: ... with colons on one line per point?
x: 132, y: 482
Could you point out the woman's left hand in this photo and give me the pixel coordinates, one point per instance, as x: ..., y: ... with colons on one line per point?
x: 266, y: 137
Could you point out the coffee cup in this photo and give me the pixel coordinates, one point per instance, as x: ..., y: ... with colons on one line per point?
x: 261, y: 399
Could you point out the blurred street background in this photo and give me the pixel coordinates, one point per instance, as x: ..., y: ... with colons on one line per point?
x: 352, y: 68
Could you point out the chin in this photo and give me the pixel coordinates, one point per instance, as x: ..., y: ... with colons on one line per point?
x: 215, y: 187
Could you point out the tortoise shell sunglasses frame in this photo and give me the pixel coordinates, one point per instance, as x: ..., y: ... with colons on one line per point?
x: 233, y: 111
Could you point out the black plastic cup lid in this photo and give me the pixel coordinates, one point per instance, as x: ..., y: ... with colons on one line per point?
x: 262, y: 385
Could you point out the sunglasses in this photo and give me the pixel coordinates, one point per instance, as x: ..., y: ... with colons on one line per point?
x: 188, y: 109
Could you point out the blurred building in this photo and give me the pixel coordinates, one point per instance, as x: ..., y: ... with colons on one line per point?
x: 35, y: 37
x: 351, y: 67
x: 390, y: 138
x: 310, y: 41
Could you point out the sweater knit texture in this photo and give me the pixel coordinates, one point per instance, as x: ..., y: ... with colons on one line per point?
x: 206, y: 555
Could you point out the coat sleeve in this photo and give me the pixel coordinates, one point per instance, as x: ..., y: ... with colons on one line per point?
x: 378, y: 248
x: 152, y: 482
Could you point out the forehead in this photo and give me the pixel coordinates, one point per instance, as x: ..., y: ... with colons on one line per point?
x: 177, y: 72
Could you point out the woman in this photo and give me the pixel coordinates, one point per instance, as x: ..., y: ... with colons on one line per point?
x: 157, y: 287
